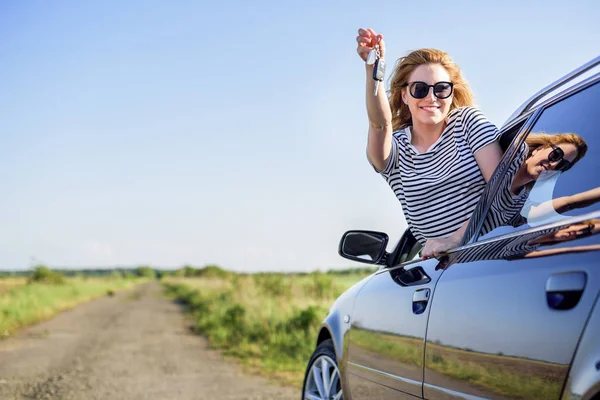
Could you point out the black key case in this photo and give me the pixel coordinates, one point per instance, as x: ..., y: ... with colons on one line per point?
x: 379, y: 70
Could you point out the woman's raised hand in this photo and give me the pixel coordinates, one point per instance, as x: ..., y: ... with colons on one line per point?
x: 367, y: 39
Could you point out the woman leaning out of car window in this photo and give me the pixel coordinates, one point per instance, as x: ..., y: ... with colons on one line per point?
x: 435, y: 150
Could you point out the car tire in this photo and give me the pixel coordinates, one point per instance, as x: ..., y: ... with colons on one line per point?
x: 322, y: 377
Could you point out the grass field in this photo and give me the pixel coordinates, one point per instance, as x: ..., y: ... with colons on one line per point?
x: 269, y: 321
x: 9, y: 283
x: 22, y: 304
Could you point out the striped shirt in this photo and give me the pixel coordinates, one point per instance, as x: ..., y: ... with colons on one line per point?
x: 438, y: 189
x: 506, y: 207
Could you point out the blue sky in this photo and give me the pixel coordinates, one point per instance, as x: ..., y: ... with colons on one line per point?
x: 167, y: 133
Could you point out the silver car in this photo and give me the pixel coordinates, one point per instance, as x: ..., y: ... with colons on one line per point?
x: 513, y: 312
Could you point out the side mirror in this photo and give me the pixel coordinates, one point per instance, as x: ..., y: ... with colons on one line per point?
x: 364, y: 246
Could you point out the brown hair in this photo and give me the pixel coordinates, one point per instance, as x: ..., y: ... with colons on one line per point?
x: 462, y: 95
x: 535, y: 140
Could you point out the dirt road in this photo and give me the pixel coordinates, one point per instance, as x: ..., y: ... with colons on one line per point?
x: 135, y: 345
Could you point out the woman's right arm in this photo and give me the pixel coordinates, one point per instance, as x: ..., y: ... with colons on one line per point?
x: 578, y: 200
x: 379, y: 142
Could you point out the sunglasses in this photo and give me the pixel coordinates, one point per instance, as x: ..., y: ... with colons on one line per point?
x: 420, y: 90
x: 557, y: 154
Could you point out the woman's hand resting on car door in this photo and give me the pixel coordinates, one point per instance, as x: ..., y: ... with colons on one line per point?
x: 436, y: 247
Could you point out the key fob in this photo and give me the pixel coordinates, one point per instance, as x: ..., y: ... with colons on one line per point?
x: 379, y: 70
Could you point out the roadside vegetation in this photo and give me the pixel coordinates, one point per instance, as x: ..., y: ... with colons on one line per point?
x: 269, y: 321
x: 33, y: 296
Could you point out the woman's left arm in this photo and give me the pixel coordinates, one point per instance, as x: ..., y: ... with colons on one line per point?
x: 578, y: 200
x: 488, y: 158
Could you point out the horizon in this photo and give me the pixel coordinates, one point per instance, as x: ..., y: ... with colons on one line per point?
x: 169, y: 269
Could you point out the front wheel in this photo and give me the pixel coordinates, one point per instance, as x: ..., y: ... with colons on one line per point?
x: 322, y: 378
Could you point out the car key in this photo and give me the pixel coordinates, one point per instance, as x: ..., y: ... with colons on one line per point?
x: 378, y: 71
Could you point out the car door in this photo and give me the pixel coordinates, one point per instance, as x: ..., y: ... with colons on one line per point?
x: 388, y: 325
x: 510, y: 307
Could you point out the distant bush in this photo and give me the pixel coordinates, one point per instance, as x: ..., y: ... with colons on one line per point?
x: 43, y: 274
x: 186, y: 272
x: 116, y: 275
x: 145, y: 272
x: 306, y: 320
x: 273, y: 284
x: 437, y: 358
x: 234, y: 322
x: 129, y: 274
x: 214, y: 271
x: 322, y: 286
x: 209, y: 271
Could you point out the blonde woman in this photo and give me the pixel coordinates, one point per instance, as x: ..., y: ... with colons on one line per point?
x: 435, y: 150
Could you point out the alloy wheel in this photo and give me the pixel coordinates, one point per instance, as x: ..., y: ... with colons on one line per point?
x: 323, y: 381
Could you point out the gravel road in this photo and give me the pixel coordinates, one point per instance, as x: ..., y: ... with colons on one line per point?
x: 134, y: 345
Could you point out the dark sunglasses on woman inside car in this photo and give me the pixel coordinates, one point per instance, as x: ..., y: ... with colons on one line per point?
x: 420, y: 90
x: 557, y: 154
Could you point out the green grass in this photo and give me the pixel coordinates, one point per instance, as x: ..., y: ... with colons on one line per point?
x: 7, y: 284
x: 24, y: 304
x: 269, y: 321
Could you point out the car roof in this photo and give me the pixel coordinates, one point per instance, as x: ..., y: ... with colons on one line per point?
x: 558, y: 89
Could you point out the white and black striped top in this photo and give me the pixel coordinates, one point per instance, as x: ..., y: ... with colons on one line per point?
x: 439, y: 189
x: 505, y: 208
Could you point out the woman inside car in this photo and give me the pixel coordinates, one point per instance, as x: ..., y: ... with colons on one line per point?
x: 435, y: 150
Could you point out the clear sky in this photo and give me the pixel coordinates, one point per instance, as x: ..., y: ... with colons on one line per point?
x: 167, y: 133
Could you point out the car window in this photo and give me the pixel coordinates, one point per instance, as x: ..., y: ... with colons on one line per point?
x: 554, y: 174
x: 509, y: 134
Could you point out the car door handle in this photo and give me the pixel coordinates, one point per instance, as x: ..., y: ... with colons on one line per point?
x: 420, y: 299
x: 410, y: 275
x: 563, y: 291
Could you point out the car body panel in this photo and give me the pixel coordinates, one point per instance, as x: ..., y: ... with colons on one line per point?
x: 524, y: 348
x: 388, y: 328
x: 584, y: 377
x: 336, y: 325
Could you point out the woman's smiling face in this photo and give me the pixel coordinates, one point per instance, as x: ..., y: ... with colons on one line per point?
x: 539, y: 162
x: 429, y: 110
